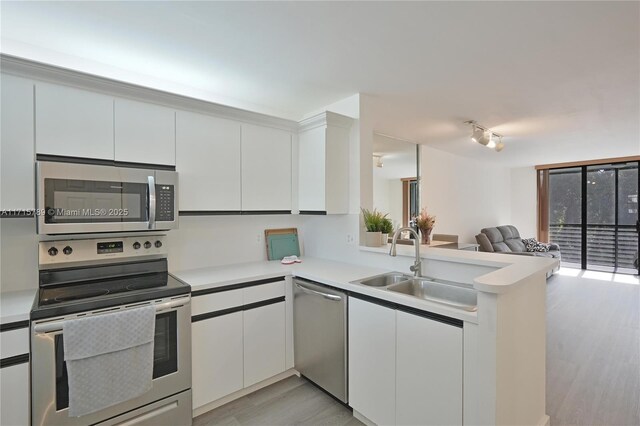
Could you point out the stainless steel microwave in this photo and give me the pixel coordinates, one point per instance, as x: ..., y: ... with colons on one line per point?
x: 85, y: 198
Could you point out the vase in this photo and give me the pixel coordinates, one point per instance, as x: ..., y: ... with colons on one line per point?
x: 385, y: 239
x: 425, y: 235
x: 373, y: 239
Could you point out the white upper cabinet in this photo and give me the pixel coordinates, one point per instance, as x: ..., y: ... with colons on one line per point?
x: 323, y: 153
x: 208, y: 160
x: 266, y: 168
x: 429, y: 372
x: 17, y: 159
x: 144, y: 133
x: 73, y: 122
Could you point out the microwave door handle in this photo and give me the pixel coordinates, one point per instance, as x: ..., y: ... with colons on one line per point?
x: 152, y: 202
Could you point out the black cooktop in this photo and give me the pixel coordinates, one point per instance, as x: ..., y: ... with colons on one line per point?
x: 73, y: 290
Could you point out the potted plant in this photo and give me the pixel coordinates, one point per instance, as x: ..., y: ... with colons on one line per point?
x: 425, y: 223
x: 386, y: 229
x: 373, y: 224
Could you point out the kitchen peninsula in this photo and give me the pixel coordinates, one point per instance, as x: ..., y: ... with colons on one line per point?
x: 495, y: 367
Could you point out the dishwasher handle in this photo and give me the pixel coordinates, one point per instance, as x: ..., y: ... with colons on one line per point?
x: 319, y: 293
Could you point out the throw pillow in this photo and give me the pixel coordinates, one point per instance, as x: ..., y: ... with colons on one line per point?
x: 534, y: 245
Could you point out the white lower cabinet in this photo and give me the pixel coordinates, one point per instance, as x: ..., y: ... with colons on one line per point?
x: 372, y: 361
x: 428, y: 371
x: 14, y: 395
x: 239, y: 338
x: 217, y: 352
x: 404, y: 368
x: 264, y: 343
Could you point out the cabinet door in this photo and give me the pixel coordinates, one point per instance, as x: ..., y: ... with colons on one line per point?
x: 372, y: 361
x: 264, y: 343
x: 208, y: 160
x: 266, y: 168
x: 429, y: 372
x: 73, y: 122
x: 17, y: 162
x: 14, y: 395
x: 217, y: 368
x: 144, y: 133
x: 311, y: 151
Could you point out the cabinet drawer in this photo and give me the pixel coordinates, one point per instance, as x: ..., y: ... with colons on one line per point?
x: 262, y: 292
x: 216, y: 301
x: 14, y: 342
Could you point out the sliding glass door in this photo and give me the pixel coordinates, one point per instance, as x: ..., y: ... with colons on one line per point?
x: 593, y: 216
x: 565, y: 213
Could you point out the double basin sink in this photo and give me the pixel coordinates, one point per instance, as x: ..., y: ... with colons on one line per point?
x: 450, y: 294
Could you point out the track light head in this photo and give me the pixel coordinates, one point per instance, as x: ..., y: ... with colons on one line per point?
x: 477, y: 135
x: 483, y: 136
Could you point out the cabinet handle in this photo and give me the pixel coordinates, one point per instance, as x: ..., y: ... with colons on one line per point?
x: 319, y: 293
x: 152, y: 202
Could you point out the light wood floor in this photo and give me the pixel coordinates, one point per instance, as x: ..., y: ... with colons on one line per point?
x: 593, y: 352
x: 593, y: 366
x: 292, y: 401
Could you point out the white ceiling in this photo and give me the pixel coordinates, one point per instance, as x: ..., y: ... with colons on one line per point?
x: 561, y: 80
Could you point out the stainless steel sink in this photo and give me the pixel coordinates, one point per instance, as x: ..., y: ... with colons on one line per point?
x: 384, y: 279
x: 448, y: 294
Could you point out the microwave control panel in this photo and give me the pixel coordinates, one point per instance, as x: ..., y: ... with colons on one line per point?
x: 165, y: 198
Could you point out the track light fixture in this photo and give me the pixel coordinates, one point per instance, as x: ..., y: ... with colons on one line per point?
x: 484, y: 136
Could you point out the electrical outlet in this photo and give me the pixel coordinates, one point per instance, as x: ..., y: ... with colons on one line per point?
x: 351, y: 239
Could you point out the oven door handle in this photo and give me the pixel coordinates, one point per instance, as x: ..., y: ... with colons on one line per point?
x: 48, y: 327
x: 152, y: 202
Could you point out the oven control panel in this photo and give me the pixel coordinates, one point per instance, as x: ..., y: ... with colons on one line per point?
x: 66, y: 252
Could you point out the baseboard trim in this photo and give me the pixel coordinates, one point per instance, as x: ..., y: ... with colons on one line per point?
x: 363, y: 419
x: 244, y: 392
x: 545, y: 421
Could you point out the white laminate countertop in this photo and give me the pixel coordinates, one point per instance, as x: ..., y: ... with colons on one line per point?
x: 16, y: 305
x: 510, y: 269
x: 335, y: 274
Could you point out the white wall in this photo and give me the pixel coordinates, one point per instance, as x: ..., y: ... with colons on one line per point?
x: 18, y: 254
x: 199, y: 242
x: 395, y: 202
x: 381, y: 192
x: 524, y: 201
x: 465, y: 195
x: 205, y: 241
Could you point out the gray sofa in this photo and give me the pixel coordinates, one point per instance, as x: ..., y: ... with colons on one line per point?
x: 506, y: 239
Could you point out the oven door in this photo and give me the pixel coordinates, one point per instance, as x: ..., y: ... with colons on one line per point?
x: 171, y: 367
x: 83, y: 198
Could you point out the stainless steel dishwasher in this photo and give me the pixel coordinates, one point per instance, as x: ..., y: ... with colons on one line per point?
x: 320, y: 336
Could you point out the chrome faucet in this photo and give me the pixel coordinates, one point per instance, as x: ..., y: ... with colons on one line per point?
x: 416, y: 268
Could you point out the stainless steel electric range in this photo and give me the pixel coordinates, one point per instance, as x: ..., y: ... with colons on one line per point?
x: 87, y: 277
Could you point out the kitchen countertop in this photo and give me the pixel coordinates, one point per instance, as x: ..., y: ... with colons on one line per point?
x: 335, y: 274
x: 510, y: 269
x: 16, y: 305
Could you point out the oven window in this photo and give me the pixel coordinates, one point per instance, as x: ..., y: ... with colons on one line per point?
x: 87, y: 201
x: 165, y: 355
x: 165, y: 346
